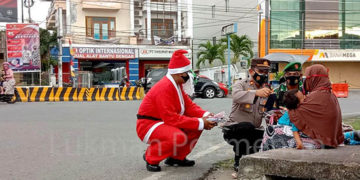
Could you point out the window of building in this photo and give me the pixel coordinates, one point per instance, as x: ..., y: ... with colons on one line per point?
x: 226, y: 5
x: 349, y: 24
x: 285, y: 24
x: 320, y: 24
x: 100, y: 27
x: 163, y: 28
x: 162, y: 1
x: 213, y: 11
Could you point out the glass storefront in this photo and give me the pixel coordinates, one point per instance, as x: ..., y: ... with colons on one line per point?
x: 350, y: 24
x: 285, y: 29
x: 310, y: 24
x: 103, y: 72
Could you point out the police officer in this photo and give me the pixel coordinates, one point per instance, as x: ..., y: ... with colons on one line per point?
x: 242, y: 131
x: 291, y: 80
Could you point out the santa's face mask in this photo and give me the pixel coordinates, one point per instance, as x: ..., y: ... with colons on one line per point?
x: 188, y: 86
x: 186, y: 77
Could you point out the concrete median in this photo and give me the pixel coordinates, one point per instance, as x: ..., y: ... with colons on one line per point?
x: 54, y: 94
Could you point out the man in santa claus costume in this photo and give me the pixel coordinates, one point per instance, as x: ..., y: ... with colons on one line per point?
x: 168, y: 120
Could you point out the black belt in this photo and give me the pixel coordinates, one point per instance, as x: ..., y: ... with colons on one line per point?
x: 147, y: 117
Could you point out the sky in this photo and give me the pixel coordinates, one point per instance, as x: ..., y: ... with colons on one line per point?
x: 39, y: 12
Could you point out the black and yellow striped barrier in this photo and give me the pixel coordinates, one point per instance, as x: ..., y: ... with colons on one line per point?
x: 99, y: 94
x: 131, y: 93
x: 41, y: 94
x: 22, y: 94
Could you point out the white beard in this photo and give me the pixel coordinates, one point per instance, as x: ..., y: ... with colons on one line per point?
x: 188, y: 87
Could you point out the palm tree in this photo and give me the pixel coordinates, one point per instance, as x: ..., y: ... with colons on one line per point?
x: 209, y: 52
x: 239, y: 46
x: 47, y: 41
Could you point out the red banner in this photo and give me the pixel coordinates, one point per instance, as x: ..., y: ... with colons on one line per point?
x: 23, y: 44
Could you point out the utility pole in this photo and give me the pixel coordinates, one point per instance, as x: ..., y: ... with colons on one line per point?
x: 227, y: 31
x: 68, y: 16
x: 29, y: 4
x: 267, y: 7
x: 4, y: 45
x: 22, y: 11
x: 60, y: 34
x: 259, y: 38
x: 192, y: 53
x: 229, y: 62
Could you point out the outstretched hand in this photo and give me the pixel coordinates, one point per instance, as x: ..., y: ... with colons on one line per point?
x: 208, y: 124
x: 264, y: 92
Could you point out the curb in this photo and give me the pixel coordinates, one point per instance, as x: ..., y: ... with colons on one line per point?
x: 54, y: 94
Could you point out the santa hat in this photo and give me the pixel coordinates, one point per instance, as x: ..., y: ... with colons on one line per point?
x: 179, y: 63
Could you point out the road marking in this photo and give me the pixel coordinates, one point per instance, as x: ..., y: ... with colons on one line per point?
x: 347, y: 115
x: 208, y: 151
x: 156, y: 176
x: 196, y: 156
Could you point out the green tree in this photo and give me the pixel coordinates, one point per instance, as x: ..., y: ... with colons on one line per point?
x: 209, y: 52
x: 240, y: 46
x: 47, y: 41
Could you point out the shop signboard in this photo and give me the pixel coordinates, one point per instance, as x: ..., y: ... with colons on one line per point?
x: 8, y: 11
x: 23, y: 42
x: 159, y: 53
x: 104, y: 53
x: 336, y: 55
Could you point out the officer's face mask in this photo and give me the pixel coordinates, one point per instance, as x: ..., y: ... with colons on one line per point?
x: 260, y: 78
x: 292, y: 80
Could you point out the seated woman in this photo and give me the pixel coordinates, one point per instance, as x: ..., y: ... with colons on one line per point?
x: 318, y: 117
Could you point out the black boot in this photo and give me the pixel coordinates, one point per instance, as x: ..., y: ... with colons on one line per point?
x: 184, y: 163
x: 236, y: 164
x: 152, y: 167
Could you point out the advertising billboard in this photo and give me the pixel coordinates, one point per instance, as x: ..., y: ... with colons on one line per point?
x: 23, y: 44
x: 8, y: 11
x: 104, y: 53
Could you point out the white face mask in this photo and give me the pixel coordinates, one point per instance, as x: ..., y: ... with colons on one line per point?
x: 189, y: 85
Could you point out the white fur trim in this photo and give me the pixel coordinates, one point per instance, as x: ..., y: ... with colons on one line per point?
x: 181, y: 98
x: 201, y: 124
x: 206, y: 113
x: 151, y: 130
x: 180, y: 70
x: 188, y: 87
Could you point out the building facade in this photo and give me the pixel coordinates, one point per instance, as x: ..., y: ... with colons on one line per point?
x: 326, y: 31
x: 136, y: 35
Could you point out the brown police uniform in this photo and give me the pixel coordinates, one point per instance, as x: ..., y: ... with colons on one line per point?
x: 246, y: 115
x: 246, y: 106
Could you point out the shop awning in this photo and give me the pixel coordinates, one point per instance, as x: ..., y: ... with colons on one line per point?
x: 284, y: 57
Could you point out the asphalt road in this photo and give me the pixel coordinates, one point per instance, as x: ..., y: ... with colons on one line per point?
x: 91, y: 140
x: 97, y: 140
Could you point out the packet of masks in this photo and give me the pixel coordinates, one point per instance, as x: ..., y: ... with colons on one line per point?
x: 219, y: 117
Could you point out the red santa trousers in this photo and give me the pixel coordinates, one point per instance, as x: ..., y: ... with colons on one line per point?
x: 169, y: 141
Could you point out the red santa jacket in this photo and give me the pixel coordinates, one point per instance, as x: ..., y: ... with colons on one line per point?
x: 164, y: 103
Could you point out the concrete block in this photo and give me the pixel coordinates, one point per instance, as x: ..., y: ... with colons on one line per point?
x: 335, y: 164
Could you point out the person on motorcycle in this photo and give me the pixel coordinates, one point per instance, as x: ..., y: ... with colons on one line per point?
x: 9, y: 80
x: 2, y: 78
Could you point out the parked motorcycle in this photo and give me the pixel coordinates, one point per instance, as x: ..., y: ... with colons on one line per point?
x: 8, y: 98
